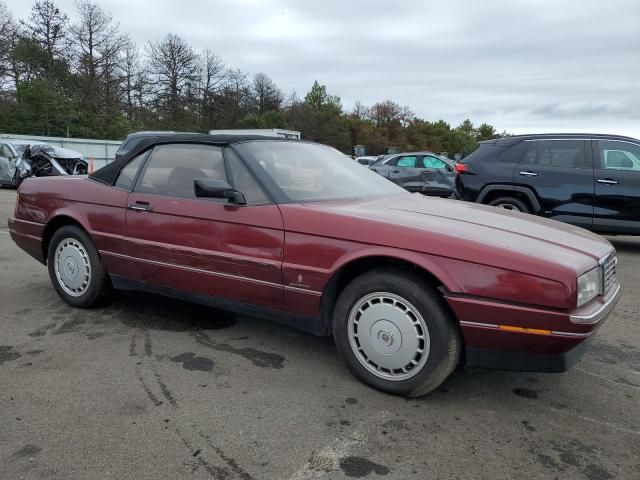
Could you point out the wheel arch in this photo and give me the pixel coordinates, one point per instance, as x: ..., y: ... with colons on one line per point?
x: 490, y: 192
x: 55, y: 224
x: 354, y: 267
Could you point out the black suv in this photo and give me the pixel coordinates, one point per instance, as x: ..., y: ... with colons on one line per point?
x: 592, y: 181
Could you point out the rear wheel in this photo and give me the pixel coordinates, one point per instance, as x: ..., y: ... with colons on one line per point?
x: 75, y: 268
x: 394, y: 332
x: 510, y: 203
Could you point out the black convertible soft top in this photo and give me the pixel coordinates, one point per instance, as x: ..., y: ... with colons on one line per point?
x: 109, y: 173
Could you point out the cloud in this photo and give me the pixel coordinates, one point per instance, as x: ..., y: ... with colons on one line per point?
x: 522, y: 66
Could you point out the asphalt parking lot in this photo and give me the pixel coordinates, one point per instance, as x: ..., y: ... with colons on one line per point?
x: 154, y: 388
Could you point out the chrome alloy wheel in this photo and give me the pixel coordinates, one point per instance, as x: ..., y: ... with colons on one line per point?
x: 72, y: 266
x: 388, y: 336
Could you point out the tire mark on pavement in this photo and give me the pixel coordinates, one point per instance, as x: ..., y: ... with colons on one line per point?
x: 231, y: 462
x: 146, y: 388
x: 212, y: 458
x: 145, y: 378
x: 41, y: 331
x: 148, y: 349
x: 229, y: 470
x: 166, y: 393
x: 132, y: 346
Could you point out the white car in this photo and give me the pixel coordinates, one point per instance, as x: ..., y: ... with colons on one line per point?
x: 47, y: 160
x: 13, y: 167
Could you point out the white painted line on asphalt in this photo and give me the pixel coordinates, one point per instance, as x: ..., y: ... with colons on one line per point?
x: 593, y: 420
x: 621, y: 384
x: 327, y: 460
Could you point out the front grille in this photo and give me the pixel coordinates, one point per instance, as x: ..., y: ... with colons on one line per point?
x: 609, y: 271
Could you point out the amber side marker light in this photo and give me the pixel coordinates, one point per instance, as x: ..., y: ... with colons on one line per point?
x: 536, y: 331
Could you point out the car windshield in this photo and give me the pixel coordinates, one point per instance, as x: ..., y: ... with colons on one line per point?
x: 313, y: 172
x: 20, y: 148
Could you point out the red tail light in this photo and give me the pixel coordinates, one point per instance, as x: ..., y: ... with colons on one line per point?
x: 462, y: 168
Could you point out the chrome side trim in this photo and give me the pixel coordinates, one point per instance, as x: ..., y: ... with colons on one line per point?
x: 602, y: 312
x: 208, y: 272
x: 40, y: 224
x: 26, y: 235
x: 477, y: 324
x: 554, y: 333
x: 302, y: 290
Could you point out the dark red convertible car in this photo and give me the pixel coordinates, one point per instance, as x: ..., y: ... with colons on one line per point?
x: 408, y: 286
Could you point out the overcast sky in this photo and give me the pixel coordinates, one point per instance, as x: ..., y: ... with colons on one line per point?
x: 521, y: 65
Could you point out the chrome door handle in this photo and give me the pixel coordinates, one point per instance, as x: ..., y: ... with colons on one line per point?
x: 606, y: 181
x: 529, y: 174
x: 140, y: 207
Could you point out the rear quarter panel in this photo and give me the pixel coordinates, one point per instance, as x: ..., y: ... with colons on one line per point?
x: 98, y: 208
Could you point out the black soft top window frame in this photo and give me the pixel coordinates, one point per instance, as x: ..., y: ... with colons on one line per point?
x: 268, y: 185
x: 109, y: 172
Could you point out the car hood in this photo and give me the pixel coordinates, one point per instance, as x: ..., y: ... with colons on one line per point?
x: 59, y: 152
x: 461, y: 225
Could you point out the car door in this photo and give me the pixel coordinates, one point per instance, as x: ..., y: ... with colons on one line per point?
x: 560, y: 174
x: 617, y: 187
x: 406, y: 172
x: 437, y: 177
x: 5, y: 164
x: 204, y: 246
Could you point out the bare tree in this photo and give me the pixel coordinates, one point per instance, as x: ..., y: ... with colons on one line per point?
x: 47, y: 25
x: 8, y: 32
x: 360, y: 111
x: 387, y: 112
x: 98, y: 45
x: 265, y: 94
x: 131, y: 76
x: 174, y: 69
x: 212, y: 77
x: 97, y: 39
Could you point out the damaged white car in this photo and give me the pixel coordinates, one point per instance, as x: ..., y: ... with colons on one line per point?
x: 13, y: 167
x: 38, y: 159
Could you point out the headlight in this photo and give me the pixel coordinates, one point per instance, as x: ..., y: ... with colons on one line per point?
x: 589, y: 286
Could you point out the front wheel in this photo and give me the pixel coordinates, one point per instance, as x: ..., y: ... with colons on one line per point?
x: 75, y: 268
x: 394, y: 332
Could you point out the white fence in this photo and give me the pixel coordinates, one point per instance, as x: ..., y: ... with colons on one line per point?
x: 102, y: 151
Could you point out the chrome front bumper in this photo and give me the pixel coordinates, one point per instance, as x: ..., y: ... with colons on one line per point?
x: 608, y: 304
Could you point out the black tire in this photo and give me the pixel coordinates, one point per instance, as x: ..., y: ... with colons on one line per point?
x: 510, y: 203
x: 442, y: 329
x: 97, y: 286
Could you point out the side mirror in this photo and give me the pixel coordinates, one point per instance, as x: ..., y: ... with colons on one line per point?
x: 211, y: 188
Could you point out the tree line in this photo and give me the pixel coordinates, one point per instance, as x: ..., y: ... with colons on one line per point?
x: 85, y: 78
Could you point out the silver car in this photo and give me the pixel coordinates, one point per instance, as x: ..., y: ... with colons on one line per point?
x: 423, y: 172
x: 47, y: 160
x: 13, y: 167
